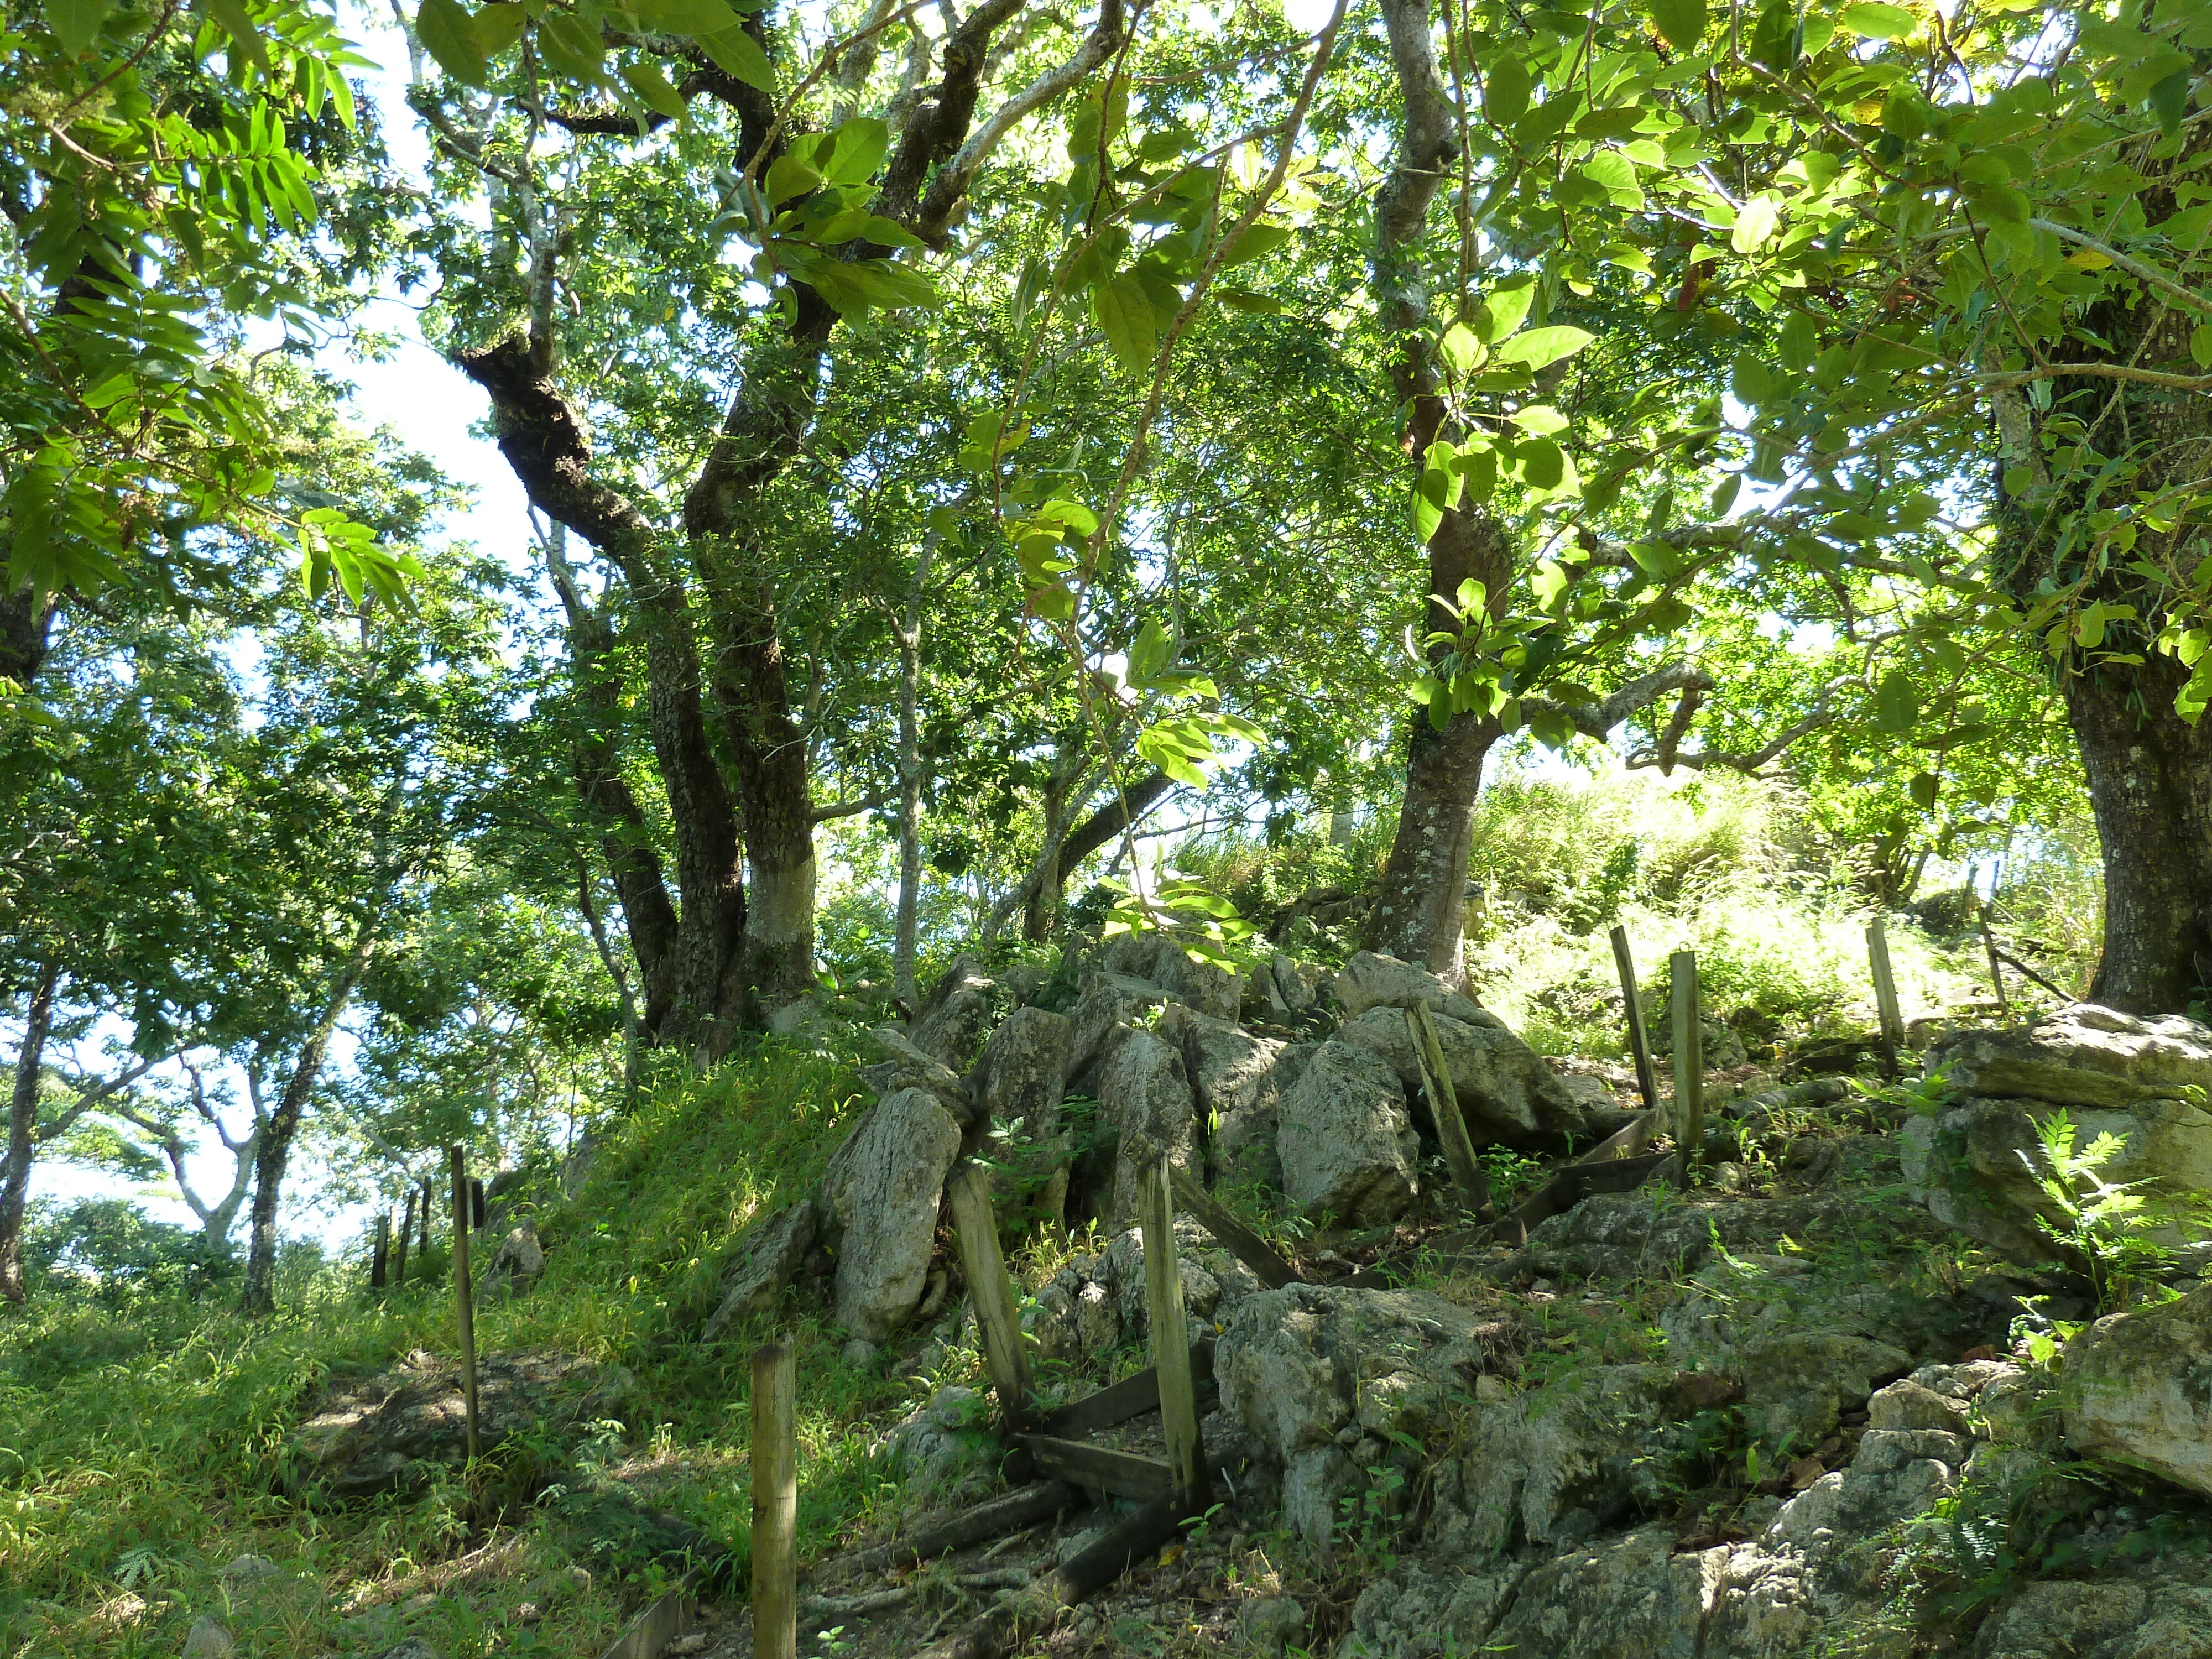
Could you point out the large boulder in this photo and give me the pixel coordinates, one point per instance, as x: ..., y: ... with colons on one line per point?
x: 1237, y: 1080
x: 1108, y: 1001
x: 1505, y: 1091
x: 1144, y: 1096
x: 388, y: 1430
x: 1327, y: 1380
x: 1023, y: 1071
x: 880, y: 1200
x: 1345, y: 1140
x: 2084, y: 1055
x: 906, y: 1066
x: 766, y: 1259
x: 1371, y: 980
x: 514, y: 1266
x: 2138, y: 1391
x: 1203, y: 986
x: 959, y: 1014
x: 1282, y: 988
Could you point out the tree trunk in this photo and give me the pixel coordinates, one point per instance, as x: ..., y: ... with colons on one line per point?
x: 26, y: 626
x: 2150, y: 782
x: 22, y: 1126
x: 1041, y: 915
x: 1419, y: 914
x: 275, y: 1151
x: 906, y: 941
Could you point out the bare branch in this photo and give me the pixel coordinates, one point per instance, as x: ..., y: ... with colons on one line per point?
x: 1596, y: 719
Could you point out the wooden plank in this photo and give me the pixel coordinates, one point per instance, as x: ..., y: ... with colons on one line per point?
x: 1688, y: 1122
x: 1639, y: 1042
x: 1125, y: 1474
x: 1025, y: 1617
x: 652, y: 1631
x: 1025, y: 1508
x: 1132, y: 1396
x: 1266, y: 1262
x: 990, y: 1290
x: 380, y: 1261
x: 775, y: 1504
x: 1443, y: 1106
x: 465, y: 1296
x: 1884, y: 994
x: 1178, y: 1391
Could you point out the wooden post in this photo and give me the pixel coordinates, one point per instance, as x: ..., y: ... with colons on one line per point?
x: 380, y: 1258
x: 990, y: 1290
x: 1266, y: 1262
x: 1171, y: 1337
x: 1639, y: 1042
x: 476, y: 1205
x: 1443, y: 1106
x: 464, y: 1301
x: 427, y: 1186
x: 1689, y: 1118
x: 406, y: 1232
x: 775, y: 1504
x: 1885, y: 995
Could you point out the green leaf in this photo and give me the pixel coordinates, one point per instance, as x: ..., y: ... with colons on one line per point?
x: 736, y: 53
x: 1681, y: 23
x: 1538, y: 420
x: 1256, y: 240
x: 2200, y: 345
x: 232, y: 14
x: 1896, y: 704
x: 75, y: 23
x: 699, y: 18
x: 1243, y: 299
x: 1540, y: 348
x: 1505, y: 93
x: 789, y: 175
x: 570, y: 46
x: 448, y: 35
x: 1778, y: 37
x: 1503, y: 309
x: 1800, y: 343
x: 856, y: 149
x: 1925, y: 786
x: 1543, y: 464
x: 1459, y: 349
x: 1877, y: 22
x: 1755, y: 224
x: 653, y: 90
x: 495, y: 27
x: 1127, y: 318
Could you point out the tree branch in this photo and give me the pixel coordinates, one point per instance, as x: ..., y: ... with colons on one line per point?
x: 1597, y: 719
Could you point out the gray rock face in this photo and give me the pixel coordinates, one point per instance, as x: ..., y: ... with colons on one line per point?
x: 209, y: 1639
x: 383, y: 1430
x: 1143, y: 1091
x: 1630, y: 1597
x: 1373, y: 981
x: 1797, y: 1383
x: 1198, y: 985
x: 762, y: 1264
x: 1323, y: 1379
x: 2085, y: 1056
x: 959, y: 1014
x: 880, y: 1196
x: 1283, y: 989
x: 1098, y: 1302
x: 944, y: 1452
x: 1345, y: 1140
x: 1108, y: 1001
x: 1236, y: 1079
x: 906, y: 1066
x: 1505, y: 1091
x: 515, y: 1265
x: 1023, y: 1071
x: 2138, y: 1391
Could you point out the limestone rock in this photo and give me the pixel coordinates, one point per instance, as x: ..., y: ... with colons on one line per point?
x: 1373, y: 981
x: 766, y: 1260
x: 880, y: 1197
x: 209, y: 1639
x: 381, y: 1431
x: 1283, y: 989
x: 1237, y: 1081
x: 943, y: 1452
x: 515, y: 1265
x: 1505, y: 1091
x: 251, y: 1569
x: 1108, y: 1001
x: 1909, y: 1405
x: 413, y: 1648
x: 1345, y: 1140
x: 1269, y: 1625
x: 959, y: 1014
x: 1144, y: 1093
x: 2135, y: 1390
x: 1797, y: 1383
x: 1324, y: 1378
x: 2084, y: 1055
x: 1023, y: 1071
x: 1630, y: 1597
x: 906, y: 1066
x: 1427, y: 1609
x: 1200, y: 985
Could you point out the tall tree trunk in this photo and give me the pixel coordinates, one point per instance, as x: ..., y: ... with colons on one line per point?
x: 906, y: 942
x: 1041, y: 915
x: 1417, y: 916
x: 22, y: 1127
x: 2150, y: 783
x: 275, y: 1151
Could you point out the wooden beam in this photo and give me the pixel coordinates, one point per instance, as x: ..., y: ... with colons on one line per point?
x: 1266, y: 1262
x: 465, y: 1296
x: 1124, y: 1474
x: 1005, y: 1627
x: 1443, y: 1106
x: 775, y: 1504
x: 654, y: 1631
x: 1171, y: 1367
x: 1639, y: 1042
x: 1688, y: 1122
x: 1885, y: 995
x: 1024, y: 1508
x: 1132, y: 1396
x: 990, y: 1290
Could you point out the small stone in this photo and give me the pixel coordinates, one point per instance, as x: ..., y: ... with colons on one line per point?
x: 249, y: 1567
x: 413, y: 1648
x: 208, y: 1639
x: 1271, y: 1625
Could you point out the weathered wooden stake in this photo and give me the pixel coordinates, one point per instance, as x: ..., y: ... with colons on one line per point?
x: 428, y: 1184
x: 476, y: 1204
x: 1266, y: 1262
x: 990, y: 1291
x: 380, y: 1258
x: 406, y: 1232
x: 775, y: 1504
x: 1689, y: 1117
x: 1885, y: 995
x: 1171, y: 1337
x: 1997, y: 973
x: 463, y: 1300
x: 1443, y: 1106
x: 1639, y: 1042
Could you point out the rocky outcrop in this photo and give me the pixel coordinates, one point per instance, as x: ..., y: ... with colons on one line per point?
x: 1145, y: 1095
x: 2084, y: 1055
x: 1344, y: 1139
x: 1505, y: 1091
x: 1024, y: 1071
x: 2138, y: 1391
x: 514, y: 1266
x: 767, y: 1257
x: 387, y: 1431
x: 880, y: 1197
x: 1237, y: 1080
x: 1373, y: 981
x: 959, y: 1014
